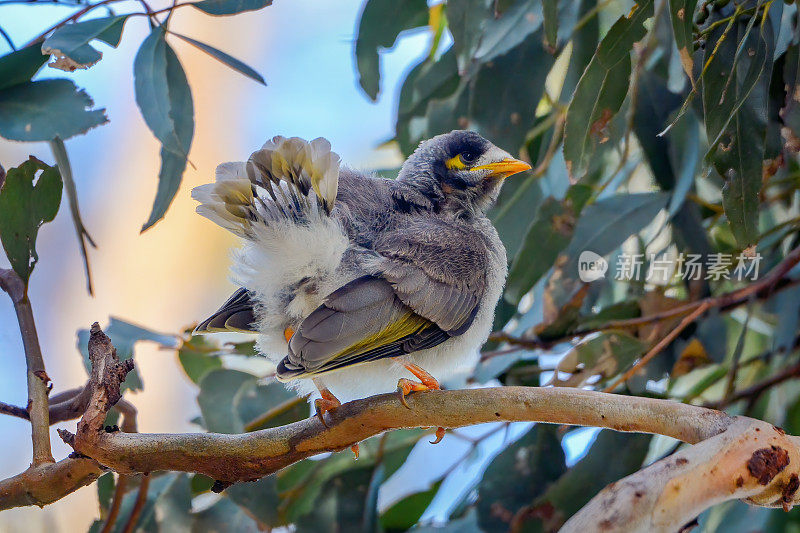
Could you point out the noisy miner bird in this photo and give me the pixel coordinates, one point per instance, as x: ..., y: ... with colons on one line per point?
x: 354, y: 283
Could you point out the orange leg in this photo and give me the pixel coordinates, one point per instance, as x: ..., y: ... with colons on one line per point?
x: 426, y: 382
x: 329, y: 402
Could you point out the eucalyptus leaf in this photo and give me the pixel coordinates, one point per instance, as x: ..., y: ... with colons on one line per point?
x: 230, y: 7
x: 46, y: 109
x: 20, y: 65
x: 29, y: 197
x: 223, y: 58
x: 70, y: 42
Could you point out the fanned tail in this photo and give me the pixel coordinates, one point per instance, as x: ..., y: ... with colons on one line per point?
x: 287, y: 179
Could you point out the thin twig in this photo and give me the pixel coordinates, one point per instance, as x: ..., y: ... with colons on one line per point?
x: 116, y: 503
x: 754, y: 391
x: 663, y: 343
x: 138, y: 506
x: 13, y: 410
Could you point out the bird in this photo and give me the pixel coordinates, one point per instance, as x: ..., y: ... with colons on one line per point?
x: 354, y: 283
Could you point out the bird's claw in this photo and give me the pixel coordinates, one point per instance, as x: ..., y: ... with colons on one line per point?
x: 355, y: 449
x: 439, y: 435
x: 328, y: 402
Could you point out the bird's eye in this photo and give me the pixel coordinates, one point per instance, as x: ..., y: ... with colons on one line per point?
x: 468, y: 157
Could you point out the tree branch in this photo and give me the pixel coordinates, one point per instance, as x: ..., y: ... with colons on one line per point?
x: 38, y: 380
x: 48, y: 482
x: 776, y: 280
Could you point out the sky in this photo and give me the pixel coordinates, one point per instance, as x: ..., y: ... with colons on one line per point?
x: 176, y: 273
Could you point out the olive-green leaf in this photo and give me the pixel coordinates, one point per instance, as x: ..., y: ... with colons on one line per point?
x: 604, y: 355
x: 402, y: 515
x: 70, y: 43
x: 546, y: 237
x: 165, y: 101
x: 230, y: 7
x: 380, y: 24
x: 43, y: 110
x: 224, y: 58
x: 681, y: 13
x: 550, y: 11
x: 21, y: 65
x: 735, y: 102
x: 518, y: 475
x: 602, y: 89
x: 26, y: 202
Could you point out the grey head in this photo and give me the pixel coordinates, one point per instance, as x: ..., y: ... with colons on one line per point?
x: 459, y: 172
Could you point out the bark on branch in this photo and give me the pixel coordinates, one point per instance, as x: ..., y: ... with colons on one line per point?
x: 731, y: 457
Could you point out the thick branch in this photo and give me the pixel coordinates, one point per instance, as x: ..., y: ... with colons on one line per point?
x: 48, y: 482
x: 750, y: 460
x: 38, y: 380
x: 231, y: 458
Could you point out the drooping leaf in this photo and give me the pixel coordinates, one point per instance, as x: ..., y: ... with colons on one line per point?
x: 509, y: 30
x: 602, y: 89
x: 607, y: 223
x: 504, y: 111
x: 259, y: 498
x: 198, y: 357
x: 224, y: 58
x: 43, y: 110
x: 611, y: 457
x: 70, y: 43
x: 165, y: 100
x: 169, y: 486
x: 546, y: 237
x: 224, y: 515
x: 21, y: 65
x: 218, y: 389
x: 465, y: 19
x: 605, y: 355
x: 171, y: 509
x: 736, y: 106
x: 381, y: 23
x: 230, y: 7
x: 790, y: 113
x: 550, y: 11
x: 26, y: 202
x: 105, y: 490
x: 402, y: 515
x: 125, y: 335
x: 681, y: 13
x: 518, y: 475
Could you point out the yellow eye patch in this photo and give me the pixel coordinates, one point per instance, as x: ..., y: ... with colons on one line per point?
x: 455, y: 163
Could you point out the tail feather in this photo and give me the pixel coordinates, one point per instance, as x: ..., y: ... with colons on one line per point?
x: 288, y: 178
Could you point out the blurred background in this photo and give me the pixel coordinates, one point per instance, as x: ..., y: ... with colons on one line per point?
x: 176, y: 272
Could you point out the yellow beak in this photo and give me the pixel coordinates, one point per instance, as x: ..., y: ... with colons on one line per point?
x: 505, y: 168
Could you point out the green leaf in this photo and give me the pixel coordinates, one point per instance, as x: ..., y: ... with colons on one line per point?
x: 198, y: 357
x: 606, y: 355
x: 503, y: 111
x: 736, y: 105
x: 607, y: 223
x: 27, y: 202
x: 20, y: 66
x: 509, y: 30
x: 172, y: 508
x: 550, y: 9
x: 380, y: 24
x: 546, y: 237
x: 611, y: 457
x: 170, y: 486
x: 465, y: 19
x: 165, y: 100
x: 681, y: 13
x: 403, y: 514
x: 216, y: 399
x: 224, y: 58
x: 223, y: 516
x: 230, y: 7
x: 43, y: 110
x: 125, y: 335
x: 602, y: 89
x: 518, y: 475
x: 70, y: 43
x: 259, y: 499
x: 105, y: 490
x: 791, y: 77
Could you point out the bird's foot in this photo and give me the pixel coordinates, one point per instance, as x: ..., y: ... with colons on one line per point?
x: 355, y: 451
x: 328, y: 402
x: 426, y: 382
x: 439, y: 435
